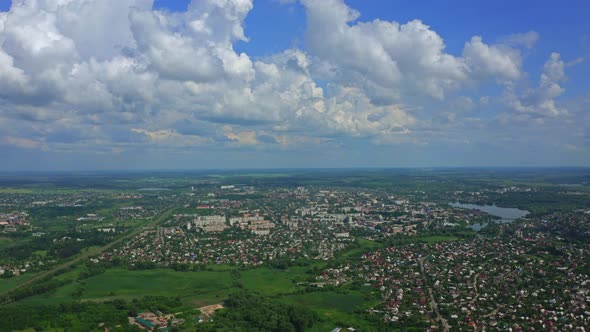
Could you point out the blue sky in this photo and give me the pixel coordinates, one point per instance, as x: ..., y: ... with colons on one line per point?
x: 142, y: 84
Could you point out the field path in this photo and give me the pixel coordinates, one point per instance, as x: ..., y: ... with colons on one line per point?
x: 93, y: 252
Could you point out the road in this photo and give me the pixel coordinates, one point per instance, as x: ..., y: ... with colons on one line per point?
x: 91, y: 253
x: 475, y: 287
x: 433, y: 304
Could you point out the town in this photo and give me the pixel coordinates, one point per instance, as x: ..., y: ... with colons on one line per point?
x: 440, y: 258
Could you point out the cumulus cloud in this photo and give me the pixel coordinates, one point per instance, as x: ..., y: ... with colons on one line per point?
x: 498, y: 61
x: 540, y: 101
x: 391, y: 60
x: 350, y: 111
x: 12, y: 79
x: 243, y: 138
x: 113, y: 75
x: 386, y: 58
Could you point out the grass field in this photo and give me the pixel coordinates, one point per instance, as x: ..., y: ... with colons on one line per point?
x: 199, y: 288
x: 435, y: 239
x: 365, y: 246
x: 6, y: 190
x: 328, y: 303
x: 336, y: 309
x: 72, y: 273
x: 15, y: 191
x: 203, y: 286
x: 6, y: 284
x: 269, y: 282
x: 220, y: 267
x: 6, y: 242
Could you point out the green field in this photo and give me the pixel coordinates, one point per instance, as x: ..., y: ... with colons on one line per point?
x: 16, y: 191
x: 269, y: 282
x: 202, y: 287
x: 6, y: 284
x: 199, y: 287
x: 6, y: 242
x: 365, y: 246
x: 5, y: 190
x: 335, y: 308
x: 435, y: 239
x: 328, y: 303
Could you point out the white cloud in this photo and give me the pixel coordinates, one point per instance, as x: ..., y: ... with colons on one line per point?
x: 115, y: 75
x: 173, y: 56
x: 94, y: 36
x: 496, y: 61
x: 392, y: 62
x: 12, y: 79
x: 170, y: 137
x: 464, y: 103
x: 350, y: 111
x: 21, y: 142
x: 527, y: 39
x: 540, y: 101
x: 242, y: 138
x: 387, y: 59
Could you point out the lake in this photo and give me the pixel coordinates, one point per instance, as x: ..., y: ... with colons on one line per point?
x: 506, y: 215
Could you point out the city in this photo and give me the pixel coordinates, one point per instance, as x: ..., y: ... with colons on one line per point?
x: 294, y: 165
x: 424, y: 255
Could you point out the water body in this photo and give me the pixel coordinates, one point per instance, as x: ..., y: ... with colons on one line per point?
x: 506, y: 215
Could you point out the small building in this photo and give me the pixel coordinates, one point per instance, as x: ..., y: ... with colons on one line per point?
x: 145, y: 323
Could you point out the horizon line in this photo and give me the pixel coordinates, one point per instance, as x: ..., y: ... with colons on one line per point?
x: 290, y: 169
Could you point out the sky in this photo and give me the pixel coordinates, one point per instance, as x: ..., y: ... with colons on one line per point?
x: 163, y: 84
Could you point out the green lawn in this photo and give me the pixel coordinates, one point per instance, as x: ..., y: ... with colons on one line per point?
x: 203, y: 286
